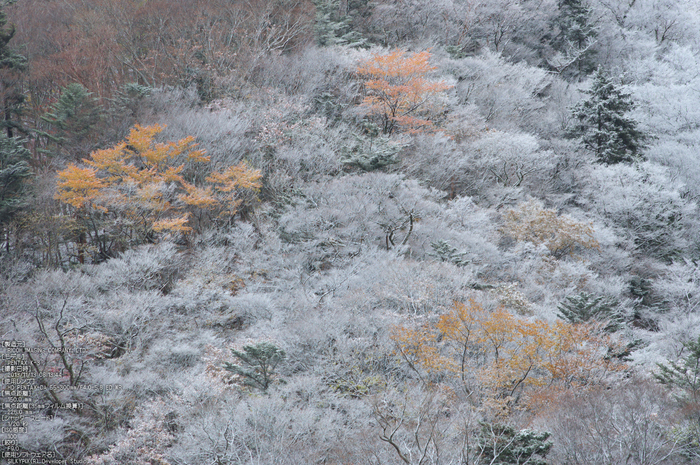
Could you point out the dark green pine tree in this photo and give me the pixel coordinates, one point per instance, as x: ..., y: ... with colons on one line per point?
x: 73, y: 120
x: 576, y: 36
x: 14, y: 172
x: 571, y: 34
x: 257, y: 364
x: 684, y: 374
x: 447, y: 253
x: 334, y: 27
x: 602, y: 124
x: 584, y: 307
x: 370, y: 152
x: 12, y: 64
x: 574, y: 23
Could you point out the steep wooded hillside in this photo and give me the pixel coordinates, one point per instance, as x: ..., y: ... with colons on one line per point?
x: 352, y: 231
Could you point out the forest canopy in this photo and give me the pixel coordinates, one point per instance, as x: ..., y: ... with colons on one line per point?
x: 351, y: 231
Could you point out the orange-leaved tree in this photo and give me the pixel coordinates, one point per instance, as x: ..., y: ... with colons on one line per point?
x: 503, y: 360
x: 399, y: 91
x: 143, y: 186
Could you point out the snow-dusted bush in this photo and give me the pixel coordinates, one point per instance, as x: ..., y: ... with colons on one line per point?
x: 151, y: 267
x: 376, y: 209
x: 509, y: 96
x: 645, y: 205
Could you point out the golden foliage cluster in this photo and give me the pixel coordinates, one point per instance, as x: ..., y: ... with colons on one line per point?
x: 503, y: 360
x: 141, y: 182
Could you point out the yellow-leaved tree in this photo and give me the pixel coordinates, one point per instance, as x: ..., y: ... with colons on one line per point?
x: 139, y: 187
x: 399, y: 91
x: 502, y: 360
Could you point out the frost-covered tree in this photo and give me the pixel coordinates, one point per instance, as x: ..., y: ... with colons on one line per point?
x: 603, y: 124
x: 574, y: 39
x: 370, y: 151
x: 646, y: 205
x: 575, y: 22
x: 684, y: 375
x: 633, y: 422
x: 507, y: 95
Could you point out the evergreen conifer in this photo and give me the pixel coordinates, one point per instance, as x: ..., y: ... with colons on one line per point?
x: 11, y: 65
x: 503, y: 445
x: 258, y: 363
x: 73, y: 118
x: 333, y: 27
x: 602, y: 123
x: 585, y: 307
x: 14, y: 170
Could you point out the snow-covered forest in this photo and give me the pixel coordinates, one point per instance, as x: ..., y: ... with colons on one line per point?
x: 352, y: 231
